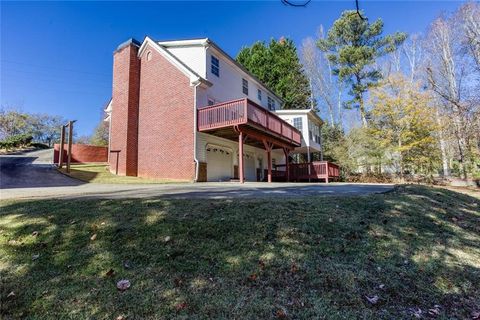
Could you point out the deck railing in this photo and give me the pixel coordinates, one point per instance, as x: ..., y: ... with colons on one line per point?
x: 244, y: 111
x: 312, y: 170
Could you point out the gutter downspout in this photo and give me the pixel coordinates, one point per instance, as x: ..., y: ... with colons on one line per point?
x: 195, y: 130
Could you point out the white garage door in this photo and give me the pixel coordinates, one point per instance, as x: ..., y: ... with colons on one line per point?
x: 219, y: 164
x: 250, y: 171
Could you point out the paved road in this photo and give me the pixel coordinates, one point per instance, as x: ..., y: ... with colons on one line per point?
x: 30, y: 176
x: 31, y: 169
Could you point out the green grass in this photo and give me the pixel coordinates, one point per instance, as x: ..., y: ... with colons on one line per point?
x: 244, y: 259
x: 99, y: 173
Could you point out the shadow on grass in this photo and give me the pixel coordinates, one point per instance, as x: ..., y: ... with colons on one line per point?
x: 306, y: 258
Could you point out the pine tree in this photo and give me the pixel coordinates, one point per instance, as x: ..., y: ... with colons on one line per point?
x: 278, y: 67
x: 353, y: 45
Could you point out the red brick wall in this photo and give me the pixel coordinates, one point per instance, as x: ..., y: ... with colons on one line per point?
x: 124, y: 125
x: 166, y: 115
x: 82, y: 153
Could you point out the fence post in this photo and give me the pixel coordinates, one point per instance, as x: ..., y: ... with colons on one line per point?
x: 62, y: 142
x: 70, y: 137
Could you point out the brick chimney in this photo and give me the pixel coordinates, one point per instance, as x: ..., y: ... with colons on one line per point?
x: 124, y: 120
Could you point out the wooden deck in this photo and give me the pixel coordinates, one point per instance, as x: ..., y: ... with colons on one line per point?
x: 316, y: 171
x: 221, y: 120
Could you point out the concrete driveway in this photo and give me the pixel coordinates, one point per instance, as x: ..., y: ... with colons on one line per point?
x: 30, y: 176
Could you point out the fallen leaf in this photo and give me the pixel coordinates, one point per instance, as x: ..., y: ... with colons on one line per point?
x: 180, y: 306
x: 127, y: 264
x: 330, y: 220
x: 34, y: 233
x: 167, y: 239
x: 372, y: 300
x: 110, y: 273
x: 93, y: 237
x: 178, y: 282
x: 252, y: 277
x: 417, y: 313
x: 11, y: 295
x: 476, y: 315
x: 293, y: 268
x: 35, y: 257
x: 435, y: 311
x: 261, y: 264
x: 121, y: 318
x: 281, y: 314
x: 123, y: 285
x: 382, y: 286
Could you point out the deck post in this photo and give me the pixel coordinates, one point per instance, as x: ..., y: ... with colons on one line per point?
x: 240, y: 157
x: 269, y: 165
x: 287, y: 169
x: 268, y: 147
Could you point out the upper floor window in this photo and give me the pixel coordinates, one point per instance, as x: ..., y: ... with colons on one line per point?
x: 271, y: 104
x: 211, y: 101
x: 215, y: 66
x: 259, y: 94
x: 297, y: 123
x: 245, y: 86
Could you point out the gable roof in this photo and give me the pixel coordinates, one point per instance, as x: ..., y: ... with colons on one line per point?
x: 300, y: 112
x: 192, y: 75
x: 208, y: 42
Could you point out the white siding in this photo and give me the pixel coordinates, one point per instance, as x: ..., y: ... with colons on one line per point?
x: 289, y: 118
x: 228, y: 86
x: 192, y: 56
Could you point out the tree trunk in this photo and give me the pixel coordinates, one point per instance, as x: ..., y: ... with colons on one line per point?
x: 363, y: 113
x: 443, y: 149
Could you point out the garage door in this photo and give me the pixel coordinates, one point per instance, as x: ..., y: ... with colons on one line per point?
x: 219, y: 164
x: 250, y: 171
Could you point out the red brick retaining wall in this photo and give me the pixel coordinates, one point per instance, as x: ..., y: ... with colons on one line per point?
x: 82, y: 153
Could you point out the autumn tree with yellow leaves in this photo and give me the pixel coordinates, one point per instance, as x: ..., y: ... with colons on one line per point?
x: 403, y: 124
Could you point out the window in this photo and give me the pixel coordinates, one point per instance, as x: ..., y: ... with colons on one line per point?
x: 215, y: 66
x: 297, y: 123
x: 259, y: 94
x: 271, y: 104
x: 149, y: 55
x: 211, y: 101
x: 245, y: 86
x: 314, y: 132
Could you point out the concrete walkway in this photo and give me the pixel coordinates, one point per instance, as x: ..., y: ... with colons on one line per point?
x: 29, y: 176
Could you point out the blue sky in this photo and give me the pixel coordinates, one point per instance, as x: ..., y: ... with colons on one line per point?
x: 56, y: 57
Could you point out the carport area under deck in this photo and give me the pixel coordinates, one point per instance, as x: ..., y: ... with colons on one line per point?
x: 248, y: 123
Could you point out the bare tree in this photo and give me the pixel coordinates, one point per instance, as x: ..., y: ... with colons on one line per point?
x: 413, y: 52
x: 454, y: 79
x: 324, y: 85
x: 469, y: 16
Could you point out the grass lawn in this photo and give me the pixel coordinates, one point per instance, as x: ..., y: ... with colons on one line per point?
x: 412, y: 251
x: 98, y: 173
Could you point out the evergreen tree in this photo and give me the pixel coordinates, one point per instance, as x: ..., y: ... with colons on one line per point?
x: 278, y: 67
x: 353, y: 45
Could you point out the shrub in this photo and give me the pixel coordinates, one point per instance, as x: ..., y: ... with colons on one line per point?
x: 15, y: 141
x: 38, y: 145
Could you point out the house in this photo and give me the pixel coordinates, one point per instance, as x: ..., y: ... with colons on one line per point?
x: 186, y: 110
